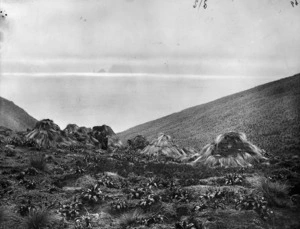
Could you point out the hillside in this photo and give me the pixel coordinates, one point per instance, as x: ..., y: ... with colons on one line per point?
x: 14, y: 117
x: 268, y: 114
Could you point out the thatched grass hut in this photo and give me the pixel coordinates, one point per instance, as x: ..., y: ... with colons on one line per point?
x: 231, y: 149
x: 163, y: 146
x: 47, y: 134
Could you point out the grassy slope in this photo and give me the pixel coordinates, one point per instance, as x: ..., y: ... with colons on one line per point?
x: 14, y: 117
x: 268, y: 114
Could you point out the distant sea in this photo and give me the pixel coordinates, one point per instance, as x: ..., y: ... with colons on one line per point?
x: 118, y: 100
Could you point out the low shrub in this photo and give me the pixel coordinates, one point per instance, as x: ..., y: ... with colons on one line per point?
x: 71, y: 210
x: 188, y: 224
x: 151, y: 220
x: 119, y: 206
x: 108, y: 182
x: 84, y: 222
x: 149, y: 201
x: 234, y: 179
x: 216, y: 199
x: 93, y: 195
x: 199, y: 207
x: 137, y: 193
x: 256, y: 203
x: 177, y: 194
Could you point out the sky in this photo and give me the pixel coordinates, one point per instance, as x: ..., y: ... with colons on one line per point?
x: 163, y: 46
x: 239, y: 37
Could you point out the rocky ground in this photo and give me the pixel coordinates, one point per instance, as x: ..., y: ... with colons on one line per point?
x: 78, y: 187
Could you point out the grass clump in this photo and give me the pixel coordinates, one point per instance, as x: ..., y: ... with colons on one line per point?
x: 2, y: 216
x: 38, y: 161
x: 275, y: 192
x: 130, y: 218
x: 37, y: 220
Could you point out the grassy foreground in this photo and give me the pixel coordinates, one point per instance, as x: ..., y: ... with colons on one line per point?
x: 88, y: 188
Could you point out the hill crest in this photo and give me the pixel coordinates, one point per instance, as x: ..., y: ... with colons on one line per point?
x: 14, y: 117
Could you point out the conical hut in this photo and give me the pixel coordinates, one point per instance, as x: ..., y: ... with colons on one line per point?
x: 46, y: 133
x: 231, y: 149
x: 163, y: 146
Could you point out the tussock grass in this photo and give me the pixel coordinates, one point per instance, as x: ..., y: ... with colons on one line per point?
x: 85, y: 181
x: 130, y: 218
x: 38, y: 161
x: 276, y: 192
x: 168, y: 210
x: 37, y: 220
x: 8, y: 219
x: 3, y: 215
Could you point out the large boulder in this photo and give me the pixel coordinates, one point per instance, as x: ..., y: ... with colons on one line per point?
x: 80, y: 134
x: 106, y: 130
x: 138, y: 142
x: 106, y: 137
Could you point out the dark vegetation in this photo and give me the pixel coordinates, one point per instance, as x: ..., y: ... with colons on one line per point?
x: 71, y: 188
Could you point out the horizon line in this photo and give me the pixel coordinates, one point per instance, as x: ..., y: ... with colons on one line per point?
x: 119, y: 74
